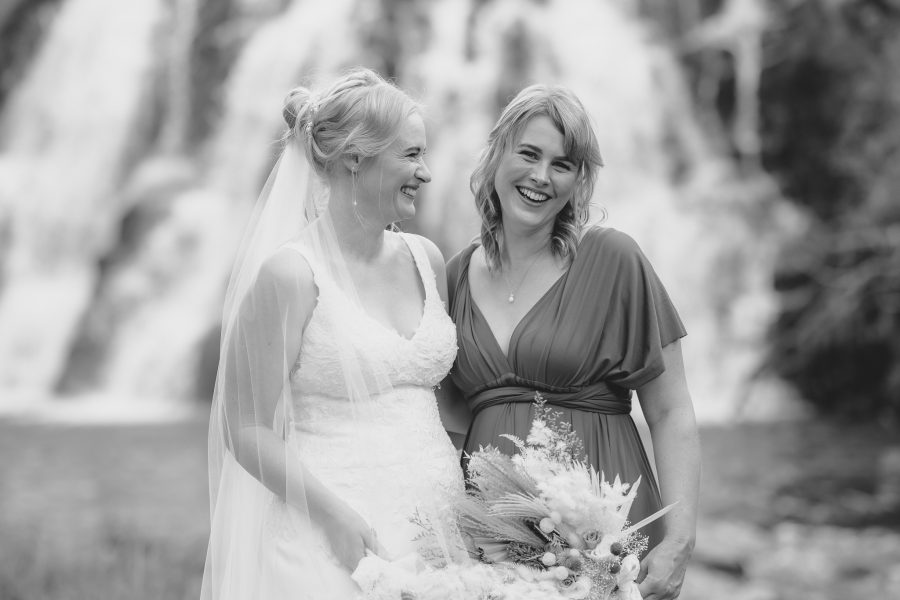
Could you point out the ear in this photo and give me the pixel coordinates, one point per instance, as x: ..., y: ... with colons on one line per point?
x: 351, y: 161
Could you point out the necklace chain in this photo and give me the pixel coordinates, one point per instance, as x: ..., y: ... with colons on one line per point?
x: 513, y: 291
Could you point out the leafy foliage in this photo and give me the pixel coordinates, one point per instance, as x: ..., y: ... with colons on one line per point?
x: 831, y: 131
x: 837, y: 337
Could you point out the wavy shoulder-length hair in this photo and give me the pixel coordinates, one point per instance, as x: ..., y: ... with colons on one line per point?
x: 580, y: 145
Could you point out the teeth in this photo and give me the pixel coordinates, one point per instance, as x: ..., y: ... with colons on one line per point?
x: 409, y: 191
x: 532, y: 195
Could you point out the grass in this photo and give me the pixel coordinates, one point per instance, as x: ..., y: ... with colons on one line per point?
x: 107, y: 512
x: 102, y: 512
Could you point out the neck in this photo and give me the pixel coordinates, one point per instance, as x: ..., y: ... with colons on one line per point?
x: 360, y: 238
x: 524, y: 246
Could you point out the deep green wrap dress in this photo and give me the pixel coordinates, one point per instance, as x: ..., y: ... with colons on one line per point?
x: 592, y: 338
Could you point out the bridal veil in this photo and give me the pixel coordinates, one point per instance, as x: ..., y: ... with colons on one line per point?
x: 258, y: 484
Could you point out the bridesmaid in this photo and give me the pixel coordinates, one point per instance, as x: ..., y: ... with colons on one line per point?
x: 543, y: 302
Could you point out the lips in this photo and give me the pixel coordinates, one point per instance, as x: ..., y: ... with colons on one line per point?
x: 532, y: 195
x: 410, y: 191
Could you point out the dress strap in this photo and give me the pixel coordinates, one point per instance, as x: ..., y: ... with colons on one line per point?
x: 423, y: 264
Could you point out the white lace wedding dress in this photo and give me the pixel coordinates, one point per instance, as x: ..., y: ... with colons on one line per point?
x: 400, y: 460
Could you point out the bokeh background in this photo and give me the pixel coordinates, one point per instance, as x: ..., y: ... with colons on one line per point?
x: 752, y: 148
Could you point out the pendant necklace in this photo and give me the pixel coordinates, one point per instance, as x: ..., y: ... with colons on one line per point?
x: 514, y: 291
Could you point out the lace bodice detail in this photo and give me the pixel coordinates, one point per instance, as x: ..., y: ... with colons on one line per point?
x: 422, y: 360
x: 389, y: 457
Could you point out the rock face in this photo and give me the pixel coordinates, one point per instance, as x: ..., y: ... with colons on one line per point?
x: 889, y: 476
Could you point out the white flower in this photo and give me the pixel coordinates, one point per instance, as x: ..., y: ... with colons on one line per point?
x: 574, y: 539
x: 526, y: 573
x: 540, y: 434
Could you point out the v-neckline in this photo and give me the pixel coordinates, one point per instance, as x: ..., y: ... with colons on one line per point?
x: 515, y: 330
x: 421, y: 275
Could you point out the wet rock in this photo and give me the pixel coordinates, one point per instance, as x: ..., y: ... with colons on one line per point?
x: 703, y: 583
x: 889, y: 476
x: 828, y: 562
x: 728, y: 546
x: 741, y: 561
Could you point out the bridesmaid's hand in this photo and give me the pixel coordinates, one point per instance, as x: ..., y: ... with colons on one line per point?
x: 350, y: 536
x: 662, y: 570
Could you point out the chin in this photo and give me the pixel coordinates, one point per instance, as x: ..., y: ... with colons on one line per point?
x: 405, y: 212
x: 528, y: 217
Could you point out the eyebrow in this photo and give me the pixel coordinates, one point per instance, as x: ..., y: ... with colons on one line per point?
x: 538, y: 150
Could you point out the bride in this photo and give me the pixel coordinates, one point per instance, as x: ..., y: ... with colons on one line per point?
x: 325, y: 438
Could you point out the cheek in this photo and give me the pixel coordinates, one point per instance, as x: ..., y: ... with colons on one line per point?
x: 501, y: 180
x: 566, y: 186
x: 509, y: 169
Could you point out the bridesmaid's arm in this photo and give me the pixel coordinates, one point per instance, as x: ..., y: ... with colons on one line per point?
x: 455, y: 414
x: 666, y: 403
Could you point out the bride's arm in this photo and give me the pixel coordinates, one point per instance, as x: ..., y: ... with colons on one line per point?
x: 264, y: 455
x: 261, y: 352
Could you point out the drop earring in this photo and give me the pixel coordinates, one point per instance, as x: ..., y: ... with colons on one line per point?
x: 354, y: 193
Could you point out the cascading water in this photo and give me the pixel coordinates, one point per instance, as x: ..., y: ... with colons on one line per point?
x: 662, y: 184
x: 69, y: 131
x: 155, y: 351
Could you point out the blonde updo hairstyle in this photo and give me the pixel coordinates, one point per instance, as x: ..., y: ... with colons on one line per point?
x: 360, y: 114
x: 569, y: 116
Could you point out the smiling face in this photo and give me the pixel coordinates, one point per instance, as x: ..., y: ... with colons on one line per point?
x: 392, y: 179
x: 535, y: 179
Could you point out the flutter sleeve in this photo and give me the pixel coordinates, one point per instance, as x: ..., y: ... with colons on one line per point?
x: 641, y: 318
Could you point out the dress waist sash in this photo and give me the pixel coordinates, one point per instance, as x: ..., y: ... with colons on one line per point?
x: 598, y: 398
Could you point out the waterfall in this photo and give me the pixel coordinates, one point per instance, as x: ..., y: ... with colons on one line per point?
x: 69, y: 130
x: 663, y: 183
x: 81, y: 144
x: 156, y: 351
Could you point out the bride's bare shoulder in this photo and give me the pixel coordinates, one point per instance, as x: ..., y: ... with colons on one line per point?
x: 287, y: 265
x: 288, y: 274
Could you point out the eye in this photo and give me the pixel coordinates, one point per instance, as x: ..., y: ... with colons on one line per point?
x: 564, y: 166
x: 528, y: 153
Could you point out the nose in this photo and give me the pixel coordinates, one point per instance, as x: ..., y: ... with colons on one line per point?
x: 423, y: 174
x: 539, y: 174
